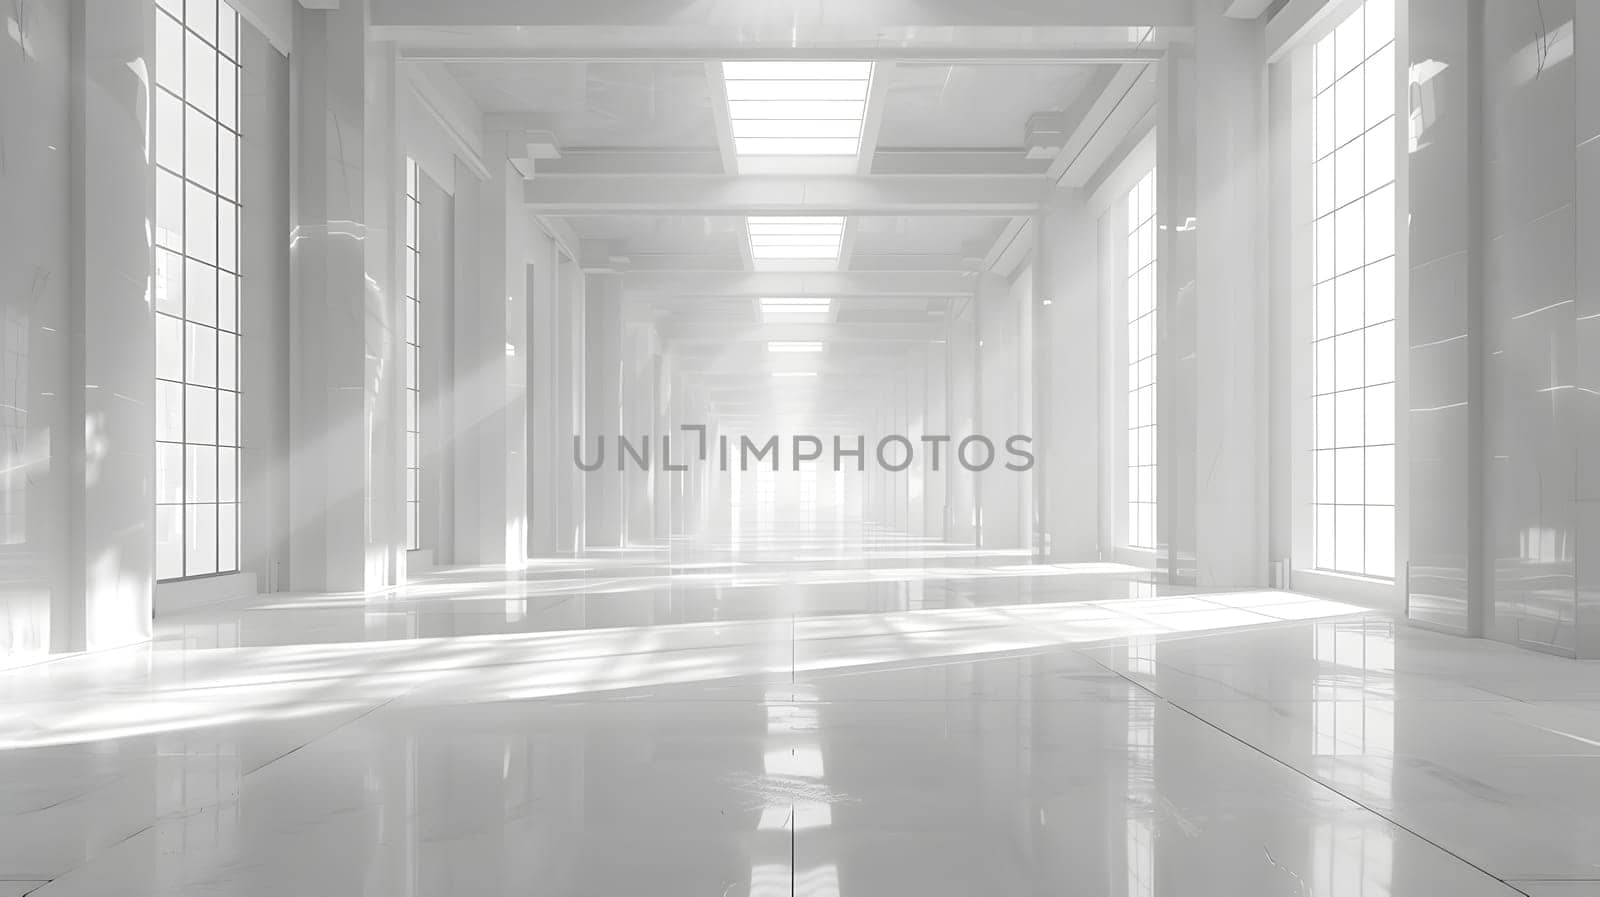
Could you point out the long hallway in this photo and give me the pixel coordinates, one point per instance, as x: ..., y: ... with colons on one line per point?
x: 832, y: 714
x: 799, y: 448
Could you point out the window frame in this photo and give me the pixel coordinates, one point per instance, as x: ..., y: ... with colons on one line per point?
x: 1139, y: 274
x: 1352, y: 474
x: 1291, y: 114
x: 413, y: 353
x: 182, y: 265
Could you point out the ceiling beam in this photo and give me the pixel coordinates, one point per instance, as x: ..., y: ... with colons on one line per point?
x: 1127, y: 96
x: 467, y: 53
x: 882, y: 74
x: 636, y: 194
x: 1246, y: 9
x: 726, y: 147
x: 1006, y: 244
x: 802, y: 16
x: 841, y: 285
x: 828, y: 333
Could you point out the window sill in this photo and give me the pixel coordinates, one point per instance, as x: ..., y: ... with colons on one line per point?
x: 181, y: 595
x: 1367, y: 591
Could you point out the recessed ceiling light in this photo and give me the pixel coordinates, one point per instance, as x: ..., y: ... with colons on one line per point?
x: 794, y: 373
x: 806, y: 108
x: 795, y: 236
x: 802, y: 308
x: 794, y: 346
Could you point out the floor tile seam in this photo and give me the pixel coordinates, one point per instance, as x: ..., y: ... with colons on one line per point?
x: 1317, y: 781
x: 158, y: 820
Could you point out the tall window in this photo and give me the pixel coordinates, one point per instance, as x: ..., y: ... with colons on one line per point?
x: 1142, y: 362
x: 197, y: 288
x: 413, y: 359
x: 1353, y: 342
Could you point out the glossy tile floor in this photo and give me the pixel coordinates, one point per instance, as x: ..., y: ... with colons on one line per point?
x: 820, y: 716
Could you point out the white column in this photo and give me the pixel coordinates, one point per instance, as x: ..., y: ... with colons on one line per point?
x: 487, y: 396
x: 1586, y: 396
x: 663, y: 493
x: 961, y: 373
x: 1445, y: 382
x: 110, y: 382
x: 603, y: 341
x: 935, y: 422
x: 570, y: 398
x: 638, y: 415
x: 549, y: 459
x: 266, y: 192
x: 386, y: 319
x: 1176, y: 311
x: 1067, y: 386
x: 439, y: 392
x: 36, y: 290
x: 1230, y: 309
x: 1000, y: 403
x: 346, y: 324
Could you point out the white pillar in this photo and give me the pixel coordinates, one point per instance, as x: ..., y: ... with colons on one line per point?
x: 663, y: 495
x: 638, y: 415
x: 1067, y: 385
x: 1445, y: 309
x: 346, y: 319
x: 571, y: 404
x: 1001, y: 492
x: 1176, y: 312
x: 961, y: 373
x: 266, y: 191
x: 488, y: 397
x: 603, y: 499
x: 1230, y: 317
x: 110, y: 384
x: 549, y: 459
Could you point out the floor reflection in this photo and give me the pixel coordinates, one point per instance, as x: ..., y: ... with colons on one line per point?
x: 888, y: 717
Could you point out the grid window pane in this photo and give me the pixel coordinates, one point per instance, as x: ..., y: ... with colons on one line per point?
x: 1141, y: 288
x: 1353, y: 342
x: 197, y: 332
x: 413, y: 360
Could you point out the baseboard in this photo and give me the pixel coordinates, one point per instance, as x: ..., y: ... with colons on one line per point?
x: 183, y: 595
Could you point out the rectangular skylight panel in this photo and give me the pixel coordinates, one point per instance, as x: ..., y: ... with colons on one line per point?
x: 796, y: 146
x: 797, y: 252
x: 797, y: 110
x: 804, y: 308
x: 796, y: 237
x: 810, y: 89
x: 775, y: 70
x: 761, y: 225
x: 794, y: 240
x: 813, y: 302
x: 810, y: 129
x: 793, y: 346
x: 794, y: 373
x: 805, y: 108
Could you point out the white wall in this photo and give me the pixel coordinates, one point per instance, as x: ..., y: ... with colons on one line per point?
x: 34, y: 283
x: 264, y: 293
x: 1000, y: 405
x: 1540, y: 423
x: 962, y: 410
x: 1069, y: 380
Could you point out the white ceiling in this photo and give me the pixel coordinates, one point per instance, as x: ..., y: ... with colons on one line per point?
x: 957, y: 106
x: 659, y: 105
x: 950, y: 105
